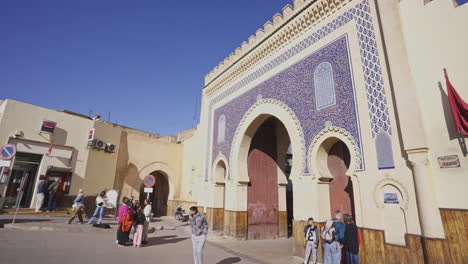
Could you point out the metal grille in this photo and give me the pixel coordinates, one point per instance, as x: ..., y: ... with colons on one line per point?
x: 28, y: 157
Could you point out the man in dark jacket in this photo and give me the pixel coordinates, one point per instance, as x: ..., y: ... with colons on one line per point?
x: 312, y: 239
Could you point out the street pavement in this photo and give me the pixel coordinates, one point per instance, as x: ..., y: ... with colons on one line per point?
x: 57, y: 247
x: 48, y: 239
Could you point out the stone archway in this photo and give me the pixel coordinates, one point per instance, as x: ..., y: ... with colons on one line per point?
x: 160, y: 196
x: 246, y: 143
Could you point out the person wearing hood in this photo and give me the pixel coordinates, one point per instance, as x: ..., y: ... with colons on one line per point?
x: 78, y: 205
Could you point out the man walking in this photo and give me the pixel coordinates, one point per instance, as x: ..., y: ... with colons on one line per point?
x: 333, y: 235
x: 199, y: 231
x: 40, y: 194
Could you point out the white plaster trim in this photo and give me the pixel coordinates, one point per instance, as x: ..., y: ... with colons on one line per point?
x: 395, y: 183
x: 219, y: 158
x: 267, y: 108
x: 329, y: 132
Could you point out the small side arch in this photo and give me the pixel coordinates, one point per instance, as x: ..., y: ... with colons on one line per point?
x: 220, y: 170
x: 321, y: 145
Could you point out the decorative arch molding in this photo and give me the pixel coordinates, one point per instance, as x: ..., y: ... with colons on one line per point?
x: 318, y: 152
x: 165, y: 169
x: 251, y: 121
x: 220, y: 157
x: 398, y: 185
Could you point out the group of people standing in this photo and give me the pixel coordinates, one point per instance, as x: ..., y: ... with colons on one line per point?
x: 51, y: 191
x: 136, y: 216
x: 338, y: 238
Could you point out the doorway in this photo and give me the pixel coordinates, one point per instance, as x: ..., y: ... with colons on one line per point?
x: 266, y: 162
x: 25, y: 167
x: 341, y: 186
x: 160, y: 194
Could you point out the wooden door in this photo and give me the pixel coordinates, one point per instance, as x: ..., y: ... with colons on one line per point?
x: 263, y: 187
x: 341, y: 187
x: 161, y: 194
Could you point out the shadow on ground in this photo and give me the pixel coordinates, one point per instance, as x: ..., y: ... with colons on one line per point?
x: 230, y: 260
x: 18, y: 221
x: 161, y: 240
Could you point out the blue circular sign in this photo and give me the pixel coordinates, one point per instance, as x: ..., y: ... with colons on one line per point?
x: 7, y: 152
x: 149, y: 181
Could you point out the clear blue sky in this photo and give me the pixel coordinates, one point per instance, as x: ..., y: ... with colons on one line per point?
x: 143, y: 61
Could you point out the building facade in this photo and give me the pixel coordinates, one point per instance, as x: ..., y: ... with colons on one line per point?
x: 355, y: 91
x: 77, y: 153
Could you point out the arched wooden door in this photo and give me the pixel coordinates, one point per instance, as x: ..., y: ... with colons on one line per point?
x: 262, y: 192
x: 341, y: 187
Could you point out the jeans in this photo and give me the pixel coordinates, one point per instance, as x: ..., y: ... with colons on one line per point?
x: 352, y: 258
x: 77, y: 211
x: 39, y: 201
x: 137, y: 235
x: 52, y: 203
x: 332, y: 254
x: 310, y: 250
x: 145, y: 231
x: 198, y: 244
x: 98, y: 212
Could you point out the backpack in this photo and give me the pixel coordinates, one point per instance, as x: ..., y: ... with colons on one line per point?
x: 328, y: 232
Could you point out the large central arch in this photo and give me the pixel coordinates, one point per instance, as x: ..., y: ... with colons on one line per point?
x: 254, y: 117
x: 288, y: 132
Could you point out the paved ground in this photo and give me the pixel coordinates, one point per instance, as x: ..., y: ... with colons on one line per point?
x: 166, y: 246
x: 84, y: 244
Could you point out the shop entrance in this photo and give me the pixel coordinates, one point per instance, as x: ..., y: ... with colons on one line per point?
x: 160, y: 194
x: 341, y: 187
x: 25, y: 165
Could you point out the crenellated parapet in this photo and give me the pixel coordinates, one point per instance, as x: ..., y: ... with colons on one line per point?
x: 285, y: 26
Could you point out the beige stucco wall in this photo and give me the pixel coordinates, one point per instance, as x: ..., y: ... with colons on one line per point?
x: 101, y: 165
x: 70, y: 134
x: 141, y: 155
x: 435, y: 38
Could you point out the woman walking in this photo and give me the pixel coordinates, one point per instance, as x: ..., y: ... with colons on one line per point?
x: 351, y: 241
x: 139, y: 219
x: 78, y: 205
x: 125, y: 222
x: 101, y: 202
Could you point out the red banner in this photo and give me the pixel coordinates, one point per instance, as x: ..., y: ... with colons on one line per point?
x: 459, y: 108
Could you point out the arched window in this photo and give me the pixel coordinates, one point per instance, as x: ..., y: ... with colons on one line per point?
x: 221, y: 128
x: 383, y: 145
x: 324, y: 86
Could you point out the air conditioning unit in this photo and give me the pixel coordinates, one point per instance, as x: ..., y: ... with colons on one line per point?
x: 99, y: 144
x: 110, y: 148
x: 91, y: 143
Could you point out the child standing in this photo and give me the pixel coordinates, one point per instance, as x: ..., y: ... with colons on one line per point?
x: 312, y: 239
x: 140, y: 219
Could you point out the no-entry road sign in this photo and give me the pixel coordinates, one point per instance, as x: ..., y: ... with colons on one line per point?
x: 7, y: 152
x: 149, y: 181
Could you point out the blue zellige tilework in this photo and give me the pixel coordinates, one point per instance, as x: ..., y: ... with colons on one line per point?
x: 370, y: 62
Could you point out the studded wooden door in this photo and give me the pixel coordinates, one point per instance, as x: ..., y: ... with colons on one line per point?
x: 341, y: 187
x: 263, y: 187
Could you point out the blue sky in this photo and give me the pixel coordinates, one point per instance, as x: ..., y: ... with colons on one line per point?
x: 143, y: 61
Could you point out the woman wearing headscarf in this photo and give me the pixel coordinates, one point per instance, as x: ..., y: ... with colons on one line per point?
x: 125, y: 219
x: 78, y: 205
